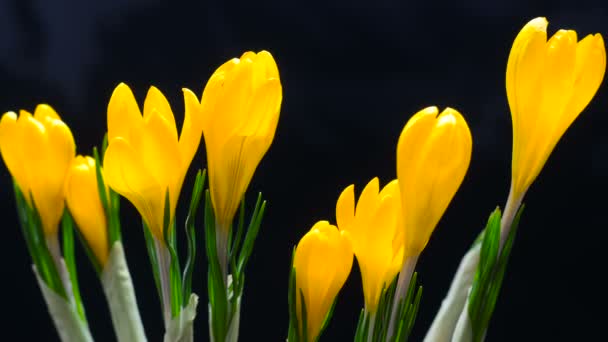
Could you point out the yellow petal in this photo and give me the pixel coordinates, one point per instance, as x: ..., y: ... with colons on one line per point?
x: 192, y: 128
x: 124, y: 117
x: 345, y: 208
x: 588, y: 75
x: 525, y: 66
x: 368, y: 201
x: 156, y: 101
x: 125, y: 172
x: 160, y: 151
x: 44, y: 111
x: 11, y: 143
x: 82, y: 198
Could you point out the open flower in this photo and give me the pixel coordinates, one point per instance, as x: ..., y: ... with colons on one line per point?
x: 373, y: 228
x: 433, y: 155
x: 323, y: 260
x: 84, y: 203
x: 145, y: 158
x: 240, y: 105
x: 549, y: 83
x: 37, y: 151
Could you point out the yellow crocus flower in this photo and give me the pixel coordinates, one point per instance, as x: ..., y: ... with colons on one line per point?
x: 549, y: 83
x: 144, y: 157
x: 37, y: 151
x: 84, y: 203
x: 322, y: 261
x: 375, y: 235
x: 240, y: 105
x: 433, y: 155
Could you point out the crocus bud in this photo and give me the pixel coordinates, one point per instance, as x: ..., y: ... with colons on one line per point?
x: 322, y: 262
x: 84, y: 203
x: 37, y: 151
x: 433, y: 155
x: 549, y: 83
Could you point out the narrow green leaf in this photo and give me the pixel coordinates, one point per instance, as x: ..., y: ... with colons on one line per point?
x: 67, y: 229
x: 216, y: 285
x: 48, y: 267
x: 294, y: 327
x: 304, y: 317
x: 252, y: 233
x: 24, y: 220
x: 197, y: 191
x: 153, y: 259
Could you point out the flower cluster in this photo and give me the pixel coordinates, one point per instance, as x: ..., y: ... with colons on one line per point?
x: 144, y: 159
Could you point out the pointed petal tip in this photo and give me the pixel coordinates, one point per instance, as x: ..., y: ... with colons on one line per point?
x: 538, y: 24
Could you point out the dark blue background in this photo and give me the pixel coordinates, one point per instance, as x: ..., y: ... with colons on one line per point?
x: 353, y: 72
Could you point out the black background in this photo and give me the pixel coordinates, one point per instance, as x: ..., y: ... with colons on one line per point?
x: 353, y: 73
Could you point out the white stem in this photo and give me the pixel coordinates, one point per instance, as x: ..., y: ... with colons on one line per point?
x: 443, y: 325
x: 511, y: 208
x: 180, y: 328
x: 403, y: 283
x: 67, y: 321
x: 118, y: 288
x: 164, y: 259
x: 463, y: 332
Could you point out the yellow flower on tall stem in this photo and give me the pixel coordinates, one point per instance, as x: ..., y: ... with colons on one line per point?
x: 82, y: 198
x: 322, y: 261
x: 433, y: 155
x: 145, y: 158
x: 549, y: 83
x: 38, y: 151
x: 240, y: 109
x: 373, y: 228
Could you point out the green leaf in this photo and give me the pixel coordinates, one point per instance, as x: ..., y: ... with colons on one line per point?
x: 31, y: 226
x: 169, y: 235
x: 216, y: 285
x: 252, y: 233
x: 110, y: 202
x: 294, y: 327
x: 489, y: 275
x: 153, y: 259
x: 67, y: 228
x: 304, y: 317
x: 197, y: 191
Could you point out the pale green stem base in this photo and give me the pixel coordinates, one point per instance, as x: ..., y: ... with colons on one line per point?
x: 164, y: 264
x: 64, y: 314
x: 442, y: 328
x: 180, y: 329
x: 119, y: 292
x: 452, y: 322
x: 403, y: 282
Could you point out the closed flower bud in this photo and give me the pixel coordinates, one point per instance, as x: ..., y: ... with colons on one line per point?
x: 37, y: 151
x: 240, y: 106
x: 549, y: 83
x: 322, y: 262
x: 433, y: 155
x: 84, y: 203
x: 376, y: 236
x: 145, y: 157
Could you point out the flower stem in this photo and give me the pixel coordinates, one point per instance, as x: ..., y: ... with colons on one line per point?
x: 164, y: 259
x: 511, y: 207
x: 402, y: 285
